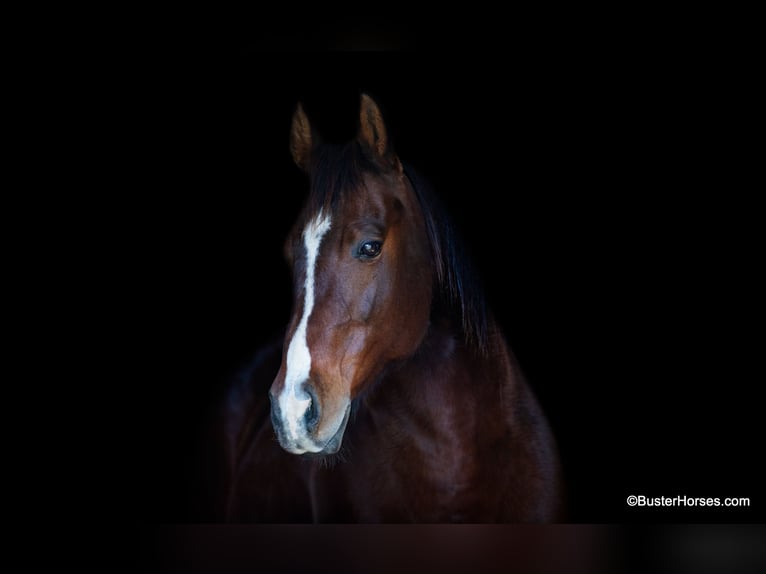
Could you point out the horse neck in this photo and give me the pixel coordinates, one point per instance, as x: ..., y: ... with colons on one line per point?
x: 444, y: 372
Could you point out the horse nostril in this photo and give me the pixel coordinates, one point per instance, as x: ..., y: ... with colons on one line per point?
x: 311, y: 416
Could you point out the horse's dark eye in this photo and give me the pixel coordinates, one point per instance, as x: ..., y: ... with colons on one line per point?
x: 369, y: 249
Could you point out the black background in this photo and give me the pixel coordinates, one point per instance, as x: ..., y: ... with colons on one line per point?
x: 606, y: 199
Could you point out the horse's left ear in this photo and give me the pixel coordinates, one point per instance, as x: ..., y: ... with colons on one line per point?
x: 373, y: 135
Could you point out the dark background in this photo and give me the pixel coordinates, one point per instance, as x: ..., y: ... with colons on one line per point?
x: 607, y: 201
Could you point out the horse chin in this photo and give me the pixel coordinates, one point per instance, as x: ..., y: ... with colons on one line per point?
x: 333, y: 445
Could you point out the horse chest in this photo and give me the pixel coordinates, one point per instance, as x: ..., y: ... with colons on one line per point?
x: 406, y: 475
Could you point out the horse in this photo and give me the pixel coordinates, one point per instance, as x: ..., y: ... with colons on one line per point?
x: 393, y: 396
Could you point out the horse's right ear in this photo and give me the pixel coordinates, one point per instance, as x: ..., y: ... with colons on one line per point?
x: 303, y: 139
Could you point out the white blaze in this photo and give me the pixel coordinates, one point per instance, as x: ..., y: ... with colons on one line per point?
x: 293, y: 402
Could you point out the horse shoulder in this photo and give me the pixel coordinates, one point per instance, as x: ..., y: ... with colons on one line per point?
x: 264, y: 483
x: 535, y: 485
x: 246, y: 403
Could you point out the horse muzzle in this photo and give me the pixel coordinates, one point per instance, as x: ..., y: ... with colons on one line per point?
x: 301, y: 426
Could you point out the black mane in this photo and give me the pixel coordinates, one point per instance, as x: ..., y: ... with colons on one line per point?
x: 338, y: 169
x: 460, y: 290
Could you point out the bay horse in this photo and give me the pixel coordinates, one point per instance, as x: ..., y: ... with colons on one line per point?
x: 394, y: 396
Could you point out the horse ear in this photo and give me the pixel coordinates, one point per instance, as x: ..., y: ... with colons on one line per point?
x: 373, y: 135
x: 303, y: 139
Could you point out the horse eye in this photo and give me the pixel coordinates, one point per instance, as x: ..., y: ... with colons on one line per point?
x: 370, y: 249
